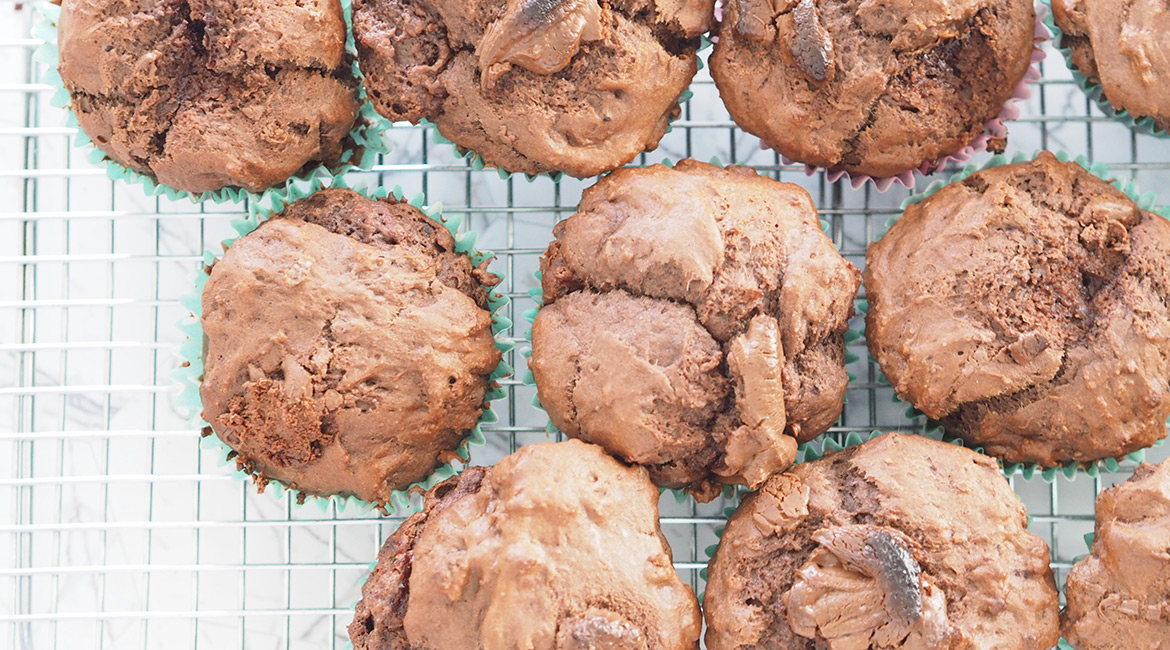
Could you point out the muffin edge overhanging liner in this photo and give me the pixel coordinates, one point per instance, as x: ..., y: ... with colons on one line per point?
x: 1095, y: 92
x: 807, y: 451
x: 529, y: 315
x: 1146, y: 201
x: 367, y: 132
x: 815, y: 450
x: 993, y: 129
x: 189, y: 373
x: 476, y: 162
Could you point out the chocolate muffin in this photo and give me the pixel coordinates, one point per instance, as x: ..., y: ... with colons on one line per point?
x: 534, y: 86
x: 205, y: 94
x: 875, y: 87
x: 1119, y: 595
x: 557, y: 546
x: 347, y: 347
x: 901, y: 542
x: 1026, y: 308
x: 1121, y: 46
x: 693, y: 323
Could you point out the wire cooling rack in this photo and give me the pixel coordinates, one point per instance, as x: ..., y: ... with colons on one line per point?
x: 117, y: 531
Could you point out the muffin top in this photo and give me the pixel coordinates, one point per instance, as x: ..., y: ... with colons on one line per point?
x: 556, y: 547
x: 347, y: 346
x: 693, y: 323
x: 1119, y: 595
x: 1026, y: 307
x: 874, y: 87
x: 534, y: 86
x: 1121, y: 46
x: 207, y: 94
x: 901, y: 542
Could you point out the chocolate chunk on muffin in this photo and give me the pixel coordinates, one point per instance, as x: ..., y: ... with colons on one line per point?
x: 693, y: 323
x: 204, y: 94
x: 348, y: 346
x: 875, y: 87
x: 556, y: 546
x: 1026, y: 308
x: 1120, y: 45
x: 534, y: 86
x: 901, y: 542
x: 1119, y: 595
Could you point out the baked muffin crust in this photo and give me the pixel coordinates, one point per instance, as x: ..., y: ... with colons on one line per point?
x: 534, y: 86
x: 1121, y: 46
x: 900, y: 542
x: 348, y: 346
x: 1119, y: 594
x: 1025, y: 308
x: 875, y: 87
x: 207, y: 94
x: 693, y: 322
x: 555, y: 547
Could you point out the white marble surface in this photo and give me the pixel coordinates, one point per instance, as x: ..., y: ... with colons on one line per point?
x: 116, y: 531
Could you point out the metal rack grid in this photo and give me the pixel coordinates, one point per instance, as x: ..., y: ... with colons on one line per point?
x: 117, y: 531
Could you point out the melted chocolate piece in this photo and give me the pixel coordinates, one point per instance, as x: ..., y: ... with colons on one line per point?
x: 542, y: 13
x: 812, y: 46
x: 538, y: 35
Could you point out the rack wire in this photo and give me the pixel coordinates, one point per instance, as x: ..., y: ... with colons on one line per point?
x: 117, y: 531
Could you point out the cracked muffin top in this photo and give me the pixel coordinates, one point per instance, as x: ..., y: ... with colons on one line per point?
x: 902, y: 542
x: 1026, y: 308
x: 205, y: 94
x: 1120, y: 45
x: 347, y: 346
x: 693, y: 323
x: 1119, y: 595
x: 875, y: 87
x: 534, y: 86
x: 556, y: 547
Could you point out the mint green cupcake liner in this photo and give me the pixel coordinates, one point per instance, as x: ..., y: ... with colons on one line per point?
x: 1143, y: 125
x: 189, y: 374
x: 367, y: 133
x: 528, y: 379
x: 477, y: 163
x: 1028, y: 471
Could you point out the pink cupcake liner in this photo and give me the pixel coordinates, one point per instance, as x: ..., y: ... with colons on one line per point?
x: 993, y: 129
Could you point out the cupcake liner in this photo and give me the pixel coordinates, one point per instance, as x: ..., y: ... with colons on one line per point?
x: 1142, y: 125
x: 477, y: 163
x: 189, y: 374
x: 528, y: 379
x: 993, y: 129
x: 366, y: 134
x: 934, y: 429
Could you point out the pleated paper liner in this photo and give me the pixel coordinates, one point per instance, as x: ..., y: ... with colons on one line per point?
x: 993, y: 130
x: 1144, y: 201
x: 366, y: 134
x: 1143, y: 125
x: 528, y: 379
x: 476, y: 162
x: 190, y: 373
